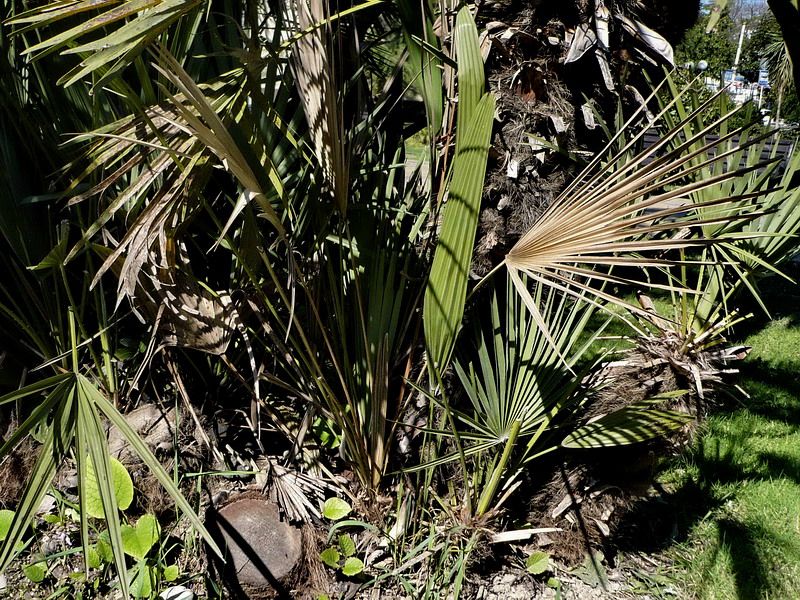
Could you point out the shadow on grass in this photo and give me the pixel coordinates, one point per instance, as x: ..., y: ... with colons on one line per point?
x: 764, y: 375
x: 781, y: 296
x: 742, y: 544
x: 658, y: 523
x: 723, y: 461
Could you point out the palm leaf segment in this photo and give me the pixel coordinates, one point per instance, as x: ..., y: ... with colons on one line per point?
x: 520, y: 376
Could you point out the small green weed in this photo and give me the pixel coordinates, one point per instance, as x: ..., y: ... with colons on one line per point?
x: 340, y: 556
x: 149, y: 573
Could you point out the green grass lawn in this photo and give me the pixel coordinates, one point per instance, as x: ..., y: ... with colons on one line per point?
x: 736, y: 492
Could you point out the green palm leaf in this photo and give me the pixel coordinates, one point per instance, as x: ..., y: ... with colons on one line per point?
x: 120, y: 44
x: 447, y: 285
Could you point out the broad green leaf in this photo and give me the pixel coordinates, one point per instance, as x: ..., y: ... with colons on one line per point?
x: 626, y: 426
x: 335, y: 509
x: 35, y: 572
x: 93, y: 557
x: 330, y: 556
x: 171, y: 573
x: 352, y: 566
x: 104, y: 548
x: 446, y: 293
x: 538, y: 563
x: 123, y: 488
x: 6, y: 516
x: 144, y: 581
x: 139, y: 447
x: 447, y: 286
x: 137, y: 540
x: 347, y: 545
x: 471, y: 77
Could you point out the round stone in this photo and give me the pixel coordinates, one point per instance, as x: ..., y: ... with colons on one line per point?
x: 261, y: 549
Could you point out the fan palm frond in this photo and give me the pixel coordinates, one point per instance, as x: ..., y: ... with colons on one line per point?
x: 620, y: 209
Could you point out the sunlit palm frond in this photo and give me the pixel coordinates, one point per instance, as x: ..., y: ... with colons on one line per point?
x: 617, y: 211
x: 445, y: 295
x: 745, y: 249
x: 127, y: 28
x: 201, y: 120
x: 520, y: 376
x: 314, y: 72
x: 165, y: 158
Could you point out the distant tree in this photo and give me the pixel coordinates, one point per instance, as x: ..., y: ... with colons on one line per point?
x: 765, y: 48
x: 763, y: 34
x: 743, y: 11
x: 717, y: 48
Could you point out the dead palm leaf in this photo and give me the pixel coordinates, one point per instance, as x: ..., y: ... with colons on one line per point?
x: 618, y: 211
x: 313, y: 68
x: 171, y: 150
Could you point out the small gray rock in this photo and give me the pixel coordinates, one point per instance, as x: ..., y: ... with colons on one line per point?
x: 156, y: 428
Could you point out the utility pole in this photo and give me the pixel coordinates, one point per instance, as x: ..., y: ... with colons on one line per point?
x: 738, y: 53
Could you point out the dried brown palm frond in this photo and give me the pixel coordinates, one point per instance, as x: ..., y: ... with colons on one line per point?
x: 297, y: 494
x: 146, y: 238
x: 620, y: 210
x: 201, y: 121
x: 167, y: 153
x: 129, y: 143
x: 155, y: 147
x: 313, y: 67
